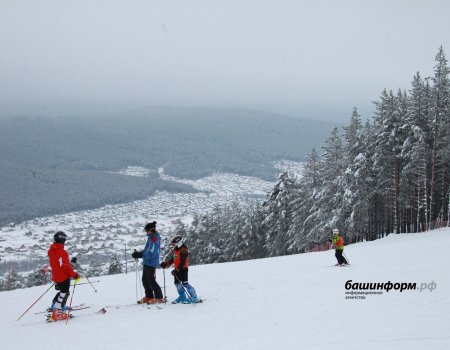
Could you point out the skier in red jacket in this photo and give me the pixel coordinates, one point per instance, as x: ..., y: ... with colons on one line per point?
x: 62, y: 272
x: 180, y: 261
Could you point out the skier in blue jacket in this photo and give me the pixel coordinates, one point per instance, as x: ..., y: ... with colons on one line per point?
x: 150, y: 256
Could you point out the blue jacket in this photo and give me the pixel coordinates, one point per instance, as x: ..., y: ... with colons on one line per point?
x: 151, y: 251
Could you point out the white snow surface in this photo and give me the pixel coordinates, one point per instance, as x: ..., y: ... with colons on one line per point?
x: 290, y: 302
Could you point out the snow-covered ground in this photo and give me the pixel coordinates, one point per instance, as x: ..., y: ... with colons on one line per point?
x: 291, y: 302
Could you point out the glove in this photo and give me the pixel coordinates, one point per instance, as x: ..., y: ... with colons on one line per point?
x: 73, y: 260
x: 136, y: 255
x: 163, y: 265
x: 173, y: 272
x: 77, y: 278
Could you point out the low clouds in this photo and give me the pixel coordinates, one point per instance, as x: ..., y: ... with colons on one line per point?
x: 280, y: 56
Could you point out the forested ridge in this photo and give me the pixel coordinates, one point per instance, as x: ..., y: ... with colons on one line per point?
x: 53, y: 165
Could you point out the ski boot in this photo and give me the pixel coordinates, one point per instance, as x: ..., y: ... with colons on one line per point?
x: 144, y: 300
x: 193, y: 298
x: 180, y: 300
x: 65, y: 308
x: 156, y: 301
x: 57, y: 315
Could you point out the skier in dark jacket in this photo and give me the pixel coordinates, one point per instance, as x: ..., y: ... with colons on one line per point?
x: 62, y: 272
x: 180, y: 261
x: 150, y: 256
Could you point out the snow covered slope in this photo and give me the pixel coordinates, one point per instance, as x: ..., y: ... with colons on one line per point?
x: 292, y: 302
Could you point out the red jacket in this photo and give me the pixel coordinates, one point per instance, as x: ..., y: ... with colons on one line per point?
x: 180, y: 258
x: 60, y: 264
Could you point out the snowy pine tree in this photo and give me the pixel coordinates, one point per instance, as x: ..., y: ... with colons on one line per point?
x: 302, y: 236
x: 387, y: 160
x: 94, y: 269
x: 440, y: 155
x: 355, y: 181
x: 115, y: 266
x: 277, y: 211
x: 13, y: 280
x: 327, y: 209
x: 416, y: 154
x: 38, y: 277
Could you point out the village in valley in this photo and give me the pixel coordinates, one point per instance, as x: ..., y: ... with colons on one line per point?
x: 115, y: 230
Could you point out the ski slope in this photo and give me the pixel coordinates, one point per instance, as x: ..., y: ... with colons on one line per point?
x: 291, y: 302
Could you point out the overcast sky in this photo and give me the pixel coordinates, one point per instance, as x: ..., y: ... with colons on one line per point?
x: 307, y: 58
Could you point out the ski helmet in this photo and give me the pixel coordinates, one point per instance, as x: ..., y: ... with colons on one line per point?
x: 150, y: 226
x: 60, y: 237
x: 335, y: 231
x: 177, y: 241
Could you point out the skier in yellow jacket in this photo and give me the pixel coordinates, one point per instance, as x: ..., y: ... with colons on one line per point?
x: 338, y: 243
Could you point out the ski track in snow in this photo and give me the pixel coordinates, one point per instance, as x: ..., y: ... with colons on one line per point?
x: 290, y: 302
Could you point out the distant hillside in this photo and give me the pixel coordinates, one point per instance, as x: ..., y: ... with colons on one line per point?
x: 60, y: 164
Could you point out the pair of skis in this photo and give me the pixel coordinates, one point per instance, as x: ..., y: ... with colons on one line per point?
x: 49, y: 312
x: 104, y: 309
x: 73, y: 308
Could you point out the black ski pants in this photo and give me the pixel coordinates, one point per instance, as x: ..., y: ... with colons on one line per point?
x: 61, y: 297
x: 181, y: 276
x: 340, y: 258
x: 152, y: 288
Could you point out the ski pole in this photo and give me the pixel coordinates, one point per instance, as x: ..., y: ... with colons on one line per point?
x: 80, y: 284
x: 345, y: 256
x: 71, y: 298
x: 140, y: 285
x: 84, y: 274
x: 166, y: 254
x: 35, y: 302
x: 165, y: 296
x: 135, y: 268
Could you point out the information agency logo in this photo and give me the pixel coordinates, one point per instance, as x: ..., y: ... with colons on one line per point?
x: 360, y: 291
